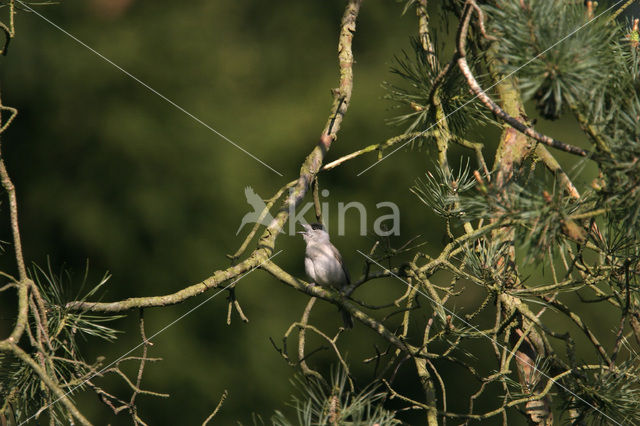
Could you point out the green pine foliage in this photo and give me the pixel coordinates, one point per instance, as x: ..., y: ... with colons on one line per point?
x: 335, y: 403
x: 442, y: 192
x: 59, y: 354
x: 592, y: 73
x: 556, y: 64
x: 591, y: 76
x: 615, y: 394
x: 413, y: 96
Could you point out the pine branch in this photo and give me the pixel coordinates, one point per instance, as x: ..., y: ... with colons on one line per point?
x: 494, y: 107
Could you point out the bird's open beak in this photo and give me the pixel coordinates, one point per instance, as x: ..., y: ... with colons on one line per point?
x: 306, y: 227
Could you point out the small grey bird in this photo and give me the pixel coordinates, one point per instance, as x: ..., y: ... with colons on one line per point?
x: 323, y: 263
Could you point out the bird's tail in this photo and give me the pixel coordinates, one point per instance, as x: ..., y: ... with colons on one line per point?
x: 346, y: 319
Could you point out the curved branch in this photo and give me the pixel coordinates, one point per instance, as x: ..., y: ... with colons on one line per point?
x: 552, y: 164
x: 23, y: 283
x: 332, y: 343
x: 578, y: 321
x: 14, y: 114
x: 375, y: 147
x: 335, y: 298
x: 9, y: 31
x: 532, y: 397
x: 494, y: 107
x: 302, y: 340
x: 214, y: 281
x: 215, y: 411
x: 13, y: 201
x: 513, y: 122
x: 308, y: 171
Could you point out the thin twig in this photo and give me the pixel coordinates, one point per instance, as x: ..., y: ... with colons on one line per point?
x: 302, y: 340
x: 215, y: 411
x: 621, y: 9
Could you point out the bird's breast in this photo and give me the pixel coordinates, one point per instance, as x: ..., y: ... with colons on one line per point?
x: 322, y: 266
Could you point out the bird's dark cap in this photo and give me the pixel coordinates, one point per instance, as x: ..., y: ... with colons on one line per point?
x: 316, y: 226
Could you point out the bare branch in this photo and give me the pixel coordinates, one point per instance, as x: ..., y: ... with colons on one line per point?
x: 215, y: 411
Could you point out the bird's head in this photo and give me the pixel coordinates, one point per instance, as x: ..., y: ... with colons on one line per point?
x: 314, y: 232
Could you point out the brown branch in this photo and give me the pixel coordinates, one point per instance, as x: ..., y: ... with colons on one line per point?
x: 24, y: 282
x: 429, y: 389
x: 441, y: 132
x: 535, y: 396
x: 302, y: 340
x: 106, y: 398
x: 527, y: 346
x: 40, y: 312
x: 9, y: 31
x: 477, y: 147
x: 332, y: 343
x: 494, y: 107
x: 500, y: 113
x: 621, y: 9
x: 553, y: 166
x: 395, y: 394
x: 425, y: 37
x: 145, y: 346
x: 375, y: 147
x: 215, y: 411
x: 13, y: 204
x: 443, y: 389
x: 590, y: 129
x: 578, y: 321
x: 342, y: 97
x: 8, y: 286
x: 456, y: 246
x: 213, y: 282
x: 316, y: 200
x: 233, y: 303
x: 134, y: 388
x: 14, y: 113
x: 335, y: 298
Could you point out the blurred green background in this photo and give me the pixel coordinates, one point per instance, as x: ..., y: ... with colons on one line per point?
x: 107, y: 171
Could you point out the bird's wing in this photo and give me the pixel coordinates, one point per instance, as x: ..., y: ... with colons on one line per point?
x: 337, y: 255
